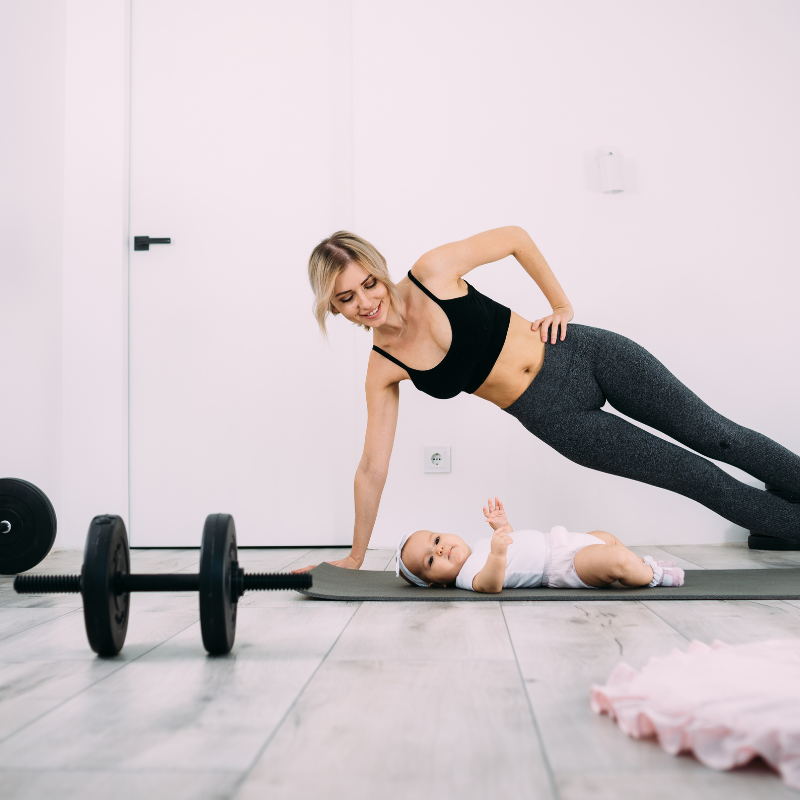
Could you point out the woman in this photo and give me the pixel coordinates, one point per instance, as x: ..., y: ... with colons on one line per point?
x: 436, y: 330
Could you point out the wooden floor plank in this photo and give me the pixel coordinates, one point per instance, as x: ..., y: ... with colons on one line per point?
x: 696, y: 781
x: 562, y: 649
x: 318, y: 555
x: 730, y: 621
x: 733, y: 556
x: 660, y: 554
x: 16, y: 620
x: 29, y: 690
x: 64, y: 638
x: 378, y: 559
x: 401, y: 729
x: 81, y: 785
x: 273, y: 560
x: 432, y: 631
x: 67, y: 560
x: 177, y: 710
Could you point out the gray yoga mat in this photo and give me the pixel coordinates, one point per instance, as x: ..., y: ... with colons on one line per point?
x: 334, y: 583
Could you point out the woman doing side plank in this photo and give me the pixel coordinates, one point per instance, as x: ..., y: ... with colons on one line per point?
x: 436, y: 330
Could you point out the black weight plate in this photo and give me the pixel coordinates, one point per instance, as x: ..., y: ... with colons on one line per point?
x: 105, y: 610
x: 757, y: 541
x: 217, y: 605
x: 27, y: 526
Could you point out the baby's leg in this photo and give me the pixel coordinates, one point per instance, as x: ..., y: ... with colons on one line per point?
x: 607, y: 537
x: 601, y: 564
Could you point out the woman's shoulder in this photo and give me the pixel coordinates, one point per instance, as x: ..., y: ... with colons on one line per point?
x: 441, y: 280
x: 383, y: 375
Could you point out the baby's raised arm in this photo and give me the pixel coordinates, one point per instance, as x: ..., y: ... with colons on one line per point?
x: 490, y: 578
x: 496, y: 516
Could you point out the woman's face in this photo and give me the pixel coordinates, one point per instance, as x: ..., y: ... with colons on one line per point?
x: 359, y: 297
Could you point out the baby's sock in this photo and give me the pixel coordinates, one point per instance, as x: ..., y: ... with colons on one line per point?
x: 666, y: 576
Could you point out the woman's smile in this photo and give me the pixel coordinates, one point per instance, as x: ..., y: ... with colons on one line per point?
x: 375, y: 311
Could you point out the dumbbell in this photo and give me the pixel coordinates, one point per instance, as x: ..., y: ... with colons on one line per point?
x: 106, y: 583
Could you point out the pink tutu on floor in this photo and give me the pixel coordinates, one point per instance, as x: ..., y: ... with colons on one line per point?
x: 727, y: 704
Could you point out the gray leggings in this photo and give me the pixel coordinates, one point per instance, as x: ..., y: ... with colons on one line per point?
x: 562, y: 407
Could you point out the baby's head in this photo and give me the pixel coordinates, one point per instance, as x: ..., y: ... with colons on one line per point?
x: 426, y: 558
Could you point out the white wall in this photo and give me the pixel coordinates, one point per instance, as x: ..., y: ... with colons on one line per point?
x: 95, y: 323
x: 465, y: 117
x: 31, y: 212
x: 471, y: 116
x: 63, y: 254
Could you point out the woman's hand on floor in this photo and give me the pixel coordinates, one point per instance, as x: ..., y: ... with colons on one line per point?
x: 346, y: 563
x: 561, y: 316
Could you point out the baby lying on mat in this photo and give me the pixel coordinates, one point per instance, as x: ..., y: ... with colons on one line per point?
x: 558, y: 559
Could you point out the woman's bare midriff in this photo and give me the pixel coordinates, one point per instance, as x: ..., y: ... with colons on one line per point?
x: 519, y: 363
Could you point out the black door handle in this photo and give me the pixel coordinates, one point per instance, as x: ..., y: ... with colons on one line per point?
x: 144, y: 242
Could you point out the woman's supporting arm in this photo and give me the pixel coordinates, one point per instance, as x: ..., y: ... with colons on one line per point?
x: 383, y: 401
x: 367, y: 491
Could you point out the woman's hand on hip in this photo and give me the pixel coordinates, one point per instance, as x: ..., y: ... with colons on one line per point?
x: 347, y: 563
x: 561, y: 316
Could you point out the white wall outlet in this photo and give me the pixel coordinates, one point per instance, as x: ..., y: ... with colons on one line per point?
x: 437, y: 459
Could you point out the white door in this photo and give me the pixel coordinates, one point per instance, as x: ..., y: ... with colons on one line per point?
x: 240, y: 139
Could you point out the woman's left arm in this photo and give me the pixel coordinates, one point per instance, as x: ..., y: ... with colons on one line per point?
x: 451, y: 261
x: 532, y: 261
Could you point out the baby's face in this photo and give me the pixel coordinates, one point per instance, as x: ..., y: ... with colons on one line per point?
x: 435, y: 557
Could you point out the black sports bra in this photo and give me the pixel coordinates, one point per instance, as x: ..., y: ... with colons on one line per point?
x: 479, y: 326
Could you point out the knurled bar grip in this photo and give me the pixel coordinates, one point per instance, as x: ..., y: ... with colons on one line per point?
x: 282, y: 580
x: 47, y: 584
x: 60, y: 584
x: 191, y: 583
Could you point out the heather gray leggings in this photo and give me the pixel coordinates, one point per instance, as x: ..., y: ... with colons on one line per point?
x: 562, y: 407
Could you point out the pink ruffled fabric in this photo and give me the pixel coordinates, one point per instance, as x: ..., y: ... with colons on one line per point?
x: 727, y: 704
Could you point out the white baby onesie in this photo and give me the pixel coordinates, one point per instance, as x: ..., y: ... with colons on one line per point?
x: 525, y: 561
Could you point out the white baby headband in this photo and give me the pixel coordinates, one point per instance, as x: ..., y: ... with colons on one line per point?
x: 401, y: 566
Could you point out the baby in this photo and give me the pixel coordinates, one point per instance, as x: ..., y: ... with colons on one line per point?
x: 558, y: 559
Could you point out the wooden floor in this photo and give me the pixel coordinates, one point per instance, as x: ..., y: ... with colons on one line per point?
x: 355, y: 700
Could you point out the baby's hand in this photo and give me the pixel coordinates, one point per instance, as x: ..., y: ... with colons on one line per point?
x: 500, y: 543
x: 495, y: 514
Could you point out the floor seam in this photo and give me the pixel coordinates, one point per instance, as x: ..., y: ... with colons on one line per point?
x: 666, y: 549
x: 246, y: 773
x: 39, y: 624
x: 94, y: 683
x: 294, y: 561
x: 548, y: 768
x: 644, y: 605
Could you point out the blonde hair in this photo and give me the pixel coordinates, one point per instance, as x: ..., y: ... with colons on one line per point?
x: 330, y: 257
